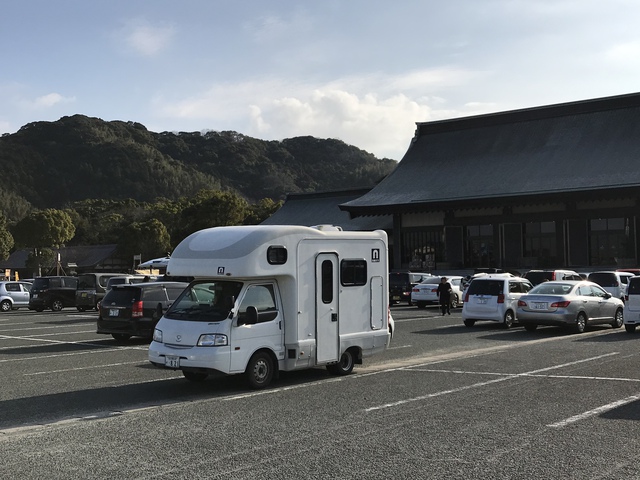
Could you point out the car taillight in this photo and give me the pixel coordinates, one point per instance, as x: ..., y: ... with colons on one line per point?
x: 553, y: 275
x: 136, y: 309
x: 564, y: 304
x: 415, y: 290
x: 522, y: 303
x: 466, y: 298
x: 500, y: 298
x: 434, y: 290
x: 626, y: 298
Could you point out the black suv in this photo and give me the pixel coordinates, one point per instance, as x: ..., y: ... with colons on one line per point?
x: 53, y: 292
x: 401, y: 284
x: 134, y: 310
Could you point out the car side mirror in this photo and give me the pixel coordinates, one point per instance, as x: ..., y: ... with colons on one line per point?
x: 251, y: 315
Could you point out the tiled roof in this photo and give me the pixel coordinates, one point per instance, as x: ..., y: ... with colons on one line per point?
x: 574, y: 147
x: 322, y: 209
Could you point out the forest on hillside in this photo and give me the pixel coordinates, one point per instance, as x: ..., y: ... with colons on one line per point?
x: 85, y: 181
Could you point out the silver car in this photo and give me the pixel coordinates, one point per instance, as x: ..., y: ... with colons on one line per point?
x: 569, y: 303
x: 14, y: 295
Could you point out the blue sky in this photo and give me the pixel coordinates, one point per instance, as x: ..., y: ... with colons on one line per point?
x: 362, y: 71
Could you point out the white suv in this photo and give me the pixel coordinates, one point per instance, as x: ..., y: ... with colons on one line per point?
x: 494, y: 298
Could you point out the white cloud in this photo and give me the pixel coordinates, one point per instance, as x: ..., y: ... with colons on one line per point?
x: 50, y: 100
x: 146, y: 39
x: 382, y: 123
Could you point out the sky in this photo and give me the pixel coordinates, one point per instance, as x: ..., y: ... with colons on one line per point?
x: 360, y: 71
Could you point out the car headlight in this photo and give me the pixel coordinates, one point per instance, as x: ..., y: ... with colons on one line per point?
x: 157, y: 335
x: 212, y: 340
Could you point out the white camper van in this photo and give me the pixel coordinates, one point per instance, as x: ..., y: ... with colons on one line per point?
x: 268, y: 298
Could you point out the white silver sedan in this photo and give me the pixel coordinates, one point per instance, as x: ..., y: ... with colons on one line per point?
x: 569, y: 303
x: 426, y: 293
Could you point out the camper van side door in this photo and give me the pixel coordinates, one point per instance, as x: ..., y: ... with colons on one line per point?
x: 327, y: 315
x: 258, y: 325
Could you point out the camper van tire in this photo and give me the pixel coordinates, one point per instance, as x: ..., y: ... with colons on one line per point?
x: 260, y: 370
x: 195, y: 376
x: 344, y: 366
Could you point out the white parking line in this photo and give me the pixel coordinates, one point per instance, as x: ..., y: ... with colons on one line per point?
x: 595, y: 411
x: 86, y: 368
x: 505, y: 376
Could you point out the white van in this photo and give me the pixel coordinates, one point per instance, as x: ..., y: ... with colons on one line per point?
x: 268, y: 298
x: 632, y: 305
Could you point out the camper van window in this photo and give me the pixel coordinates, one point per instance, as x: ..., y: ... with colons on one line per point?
x: 263, y: 299
x: 277, y: 255
x: 205, y: 301
x: 353, y: 273
x: 327, y: 281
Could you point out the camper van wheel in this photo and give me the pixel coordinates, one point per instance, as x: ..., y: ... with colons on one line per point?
x: 344, y: 366
x: 260, y: 370
x: 195, y: 376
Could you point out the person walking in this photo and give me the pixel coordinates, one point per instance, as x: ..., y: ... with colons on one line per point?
x: 444, y: 296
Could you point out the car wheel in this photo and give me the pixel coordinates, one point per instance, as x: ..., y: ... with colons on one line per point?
x: 530, y: 327
x: 618, y: 319
x: 454, y: 301
x: 469, y: 323
x: 56, y: 305
x: 81, y: 309
x: 630, y: 328
x: 121, y: 337
x: 260, y: 370
x: 421, y: 304
x: 39, y: 309
x: 195, y: 376
x: 508, y: 319
x: 344, y: 366
x: 5, y: 306
x: 581, y: 323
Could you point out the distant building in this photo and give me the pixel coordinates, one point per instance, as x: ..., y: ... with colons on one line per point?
x: 557, y: 185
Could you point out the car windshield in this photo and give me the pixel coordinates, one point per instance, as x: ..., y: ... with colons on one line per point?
x: 550, y: 288
x: 486, y: 287
x: 205, y: 301
x: 122, y: 296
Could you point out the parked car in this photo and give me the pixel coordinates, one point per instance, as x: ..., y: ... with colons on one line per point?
x: 613, y: 282
x: 132, y: 310
x: 632, y: 305
x: 91, y: 289
x: 569, y: 303
x: 494, y: 298
x: 426, y: 292
x: 401, y: 284
x: 539, y: 276
x: 131, y: 279
x: 14, y: 295
x: 55, y: 292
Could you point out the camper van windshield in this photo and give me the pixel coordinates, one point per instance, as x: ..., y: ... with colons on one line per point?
x: 205, y: 301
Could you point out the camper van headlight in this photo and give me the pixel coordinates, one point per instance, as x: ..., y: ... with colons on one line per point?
x: 212, y: 340
x: 157, y: 335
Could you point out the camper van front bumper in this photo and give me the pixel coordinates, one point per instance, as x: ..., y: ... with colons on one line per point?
x: 178, y: 357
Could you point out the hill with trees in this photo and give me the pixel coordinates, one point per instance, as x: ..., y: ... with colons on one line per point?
x: 52, y: 164
x: 85, y: 181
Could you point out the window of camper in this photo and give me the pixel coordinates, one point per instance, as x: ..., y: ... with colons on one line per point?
x: 327, y: 281
x: 353, y: 273
x: 277, y: 255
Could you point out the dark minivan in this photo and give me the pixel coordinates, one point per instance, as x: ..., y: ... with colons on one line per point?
x: 132, y: 310
x: 401, y: 284
x: 54, y: 292
x: 91, y: 289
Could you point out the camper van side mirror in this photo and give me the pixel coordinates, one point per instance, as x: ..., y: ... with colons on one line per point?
x: 250, y: 317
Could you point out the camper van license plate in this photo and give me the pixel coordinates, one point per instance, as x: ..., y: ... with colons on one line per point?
x: 172, y: 361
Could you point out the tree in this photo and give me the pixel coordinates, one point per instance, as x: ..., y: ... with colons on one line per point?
x: 261, y: 211
x: 149, y: 238
x: 44, y: 228
x: 6, y: 239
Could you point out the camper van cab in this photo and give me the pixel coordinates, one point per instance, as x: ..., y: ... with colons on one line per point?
x: 275, y: 298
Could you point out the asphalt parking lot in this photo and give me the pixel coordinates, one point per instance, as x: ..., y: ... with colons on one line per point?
x: 444, y: 401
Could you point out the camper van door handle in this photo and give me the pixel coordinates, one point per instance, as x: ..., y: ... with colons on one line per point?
x: 334, y: 317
